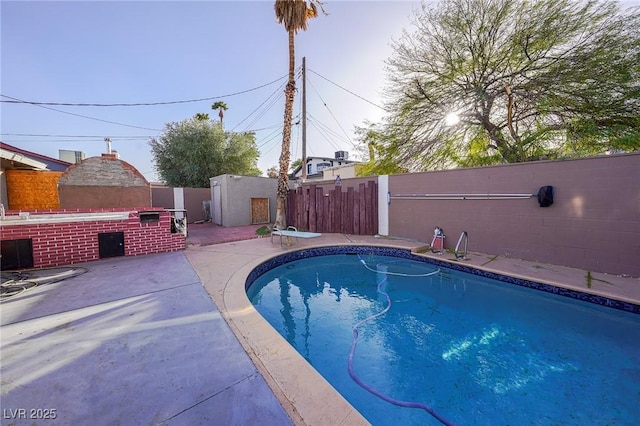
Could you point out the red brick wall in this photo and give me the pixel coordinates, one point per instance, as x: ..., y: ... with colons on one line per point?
x: 56, y: 244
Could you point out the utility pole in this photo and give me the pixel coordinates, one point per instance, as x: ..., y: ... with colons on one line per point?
x: 304, y: 119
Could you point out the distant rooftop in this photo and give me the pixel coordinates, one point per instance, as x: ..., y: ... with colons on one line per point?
x: 33, y: 156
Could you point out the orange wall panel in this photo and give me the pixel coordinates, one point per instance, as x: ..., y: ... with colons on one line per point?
x: 32, y: 190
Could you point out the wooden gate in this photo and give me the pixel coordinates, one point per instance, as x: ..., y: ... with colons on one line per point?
x: 260, y: 210
x: 341, y: 210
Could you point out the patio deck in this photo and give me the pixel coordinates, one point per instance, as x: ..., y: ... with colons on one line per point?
x: 172, y: 339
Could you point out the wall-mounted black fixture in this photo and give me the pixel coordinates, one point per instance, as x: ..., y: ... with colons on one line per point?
x: 545, y: 196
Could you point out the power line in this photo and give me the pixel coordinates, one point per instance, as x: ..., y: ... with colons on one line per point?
x: 347, y: 90
x: 330, y: 112
x: 87, y: 117
x: 272, y: 99
x: 20, y: 101
x: 322, y: 133
x: 71, y: 136
x: 328, y: 129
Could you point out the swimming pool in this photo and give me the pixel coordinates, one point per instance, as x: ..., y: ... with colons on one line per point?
x: 478, y: 351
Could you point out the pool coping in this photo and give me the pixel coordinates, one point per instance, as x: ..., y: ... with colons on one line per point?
x: 305, y: 395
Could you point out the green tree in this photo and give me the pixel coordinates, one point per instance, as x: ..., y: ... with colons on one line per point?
x: 296, y: 163
x: 378, y: 147
x: 527, y: 80
x: 272, y: 172
x: 191, y: 151
x: 293, y: 14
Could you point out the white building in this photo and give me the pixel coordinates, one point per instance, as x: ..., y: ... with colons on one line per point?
x: 317, y: 166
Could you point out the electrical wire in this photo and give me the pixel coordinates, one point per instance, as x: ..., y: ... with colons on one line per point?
x: 347, y: 90
x: 85, y: 116
x: 272, y: 102
x: 70, y: 136
x: 16, y: 100
x: 332, y: 115
x: 324, y: 135
x: 354, y: 376
x: 328, y: 129
x: 275, y: 92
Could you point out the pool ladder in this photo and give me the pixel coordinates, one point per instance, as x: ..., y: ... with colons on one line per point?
x: 464, y: 238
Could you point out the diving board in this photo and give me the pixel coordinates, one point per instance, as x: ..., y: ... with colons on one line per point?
x: 292, y: 232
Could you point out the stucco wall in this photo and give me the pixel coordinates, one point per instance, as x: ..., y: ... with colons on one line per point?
x: 236, y: 193
x: 192, y: 199
x: 162, y: 197
x: 593, y: 224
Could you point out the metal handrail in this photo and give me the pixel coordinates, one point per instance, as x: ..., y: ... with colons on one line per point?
x: 467, y: 196
x: 463, y: 237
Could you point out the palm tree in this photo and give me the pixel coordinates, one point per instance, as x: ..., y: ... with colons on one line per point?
x: 221, y: 107
x: 294, y: 15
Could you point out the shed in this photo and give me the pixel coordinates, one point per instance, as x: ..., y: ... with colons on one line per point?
x: 243, y: 200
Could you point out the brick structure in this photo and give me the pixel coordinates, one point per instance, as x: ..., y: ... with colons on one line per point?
x: 103, y: 182
x: 76, y: 239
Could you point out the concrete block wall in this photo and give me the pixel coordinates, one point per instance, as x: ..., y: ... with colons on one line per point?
x: 593, y: 224
x: 56, y: 244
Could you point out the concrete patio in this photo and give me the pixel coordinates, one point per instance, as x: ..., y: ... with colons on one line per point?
x: 172, y: 339
x: 133, y: 341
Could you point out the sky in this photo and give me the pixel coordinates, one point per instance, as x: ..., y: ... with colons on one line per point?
x: 136, y: 52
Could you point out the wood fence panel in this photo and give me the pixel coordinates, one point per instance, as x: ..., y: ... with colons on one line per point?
x: 374, y: 200
x: 356, y: 214
x: 290, y: 203
x: 369, y: 201
x: 376, y: 207
x: 363, y: 209
x: 332, y: 211
x: 319, y: 210
x: 325, y: 210
x: 349, y: 211
x: 343, y: 213
x: 305, y: 209
x: 337, y: 209
x: 312, y: 209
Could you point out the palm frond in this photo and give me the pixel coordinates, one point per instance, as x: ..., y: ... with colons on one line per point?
x: 295, y: 13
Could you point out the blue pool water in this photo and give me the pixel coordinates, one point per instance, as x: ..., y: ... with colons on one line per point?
x: 475, y: 350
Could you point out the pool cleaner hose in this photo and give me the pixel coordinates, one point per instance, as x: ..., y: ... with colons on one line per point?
x: 354, y: 376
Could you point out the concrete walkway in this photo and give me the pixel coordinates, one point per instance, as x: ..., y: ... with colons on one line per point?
x: 206, y: 234
x: 133, y: 341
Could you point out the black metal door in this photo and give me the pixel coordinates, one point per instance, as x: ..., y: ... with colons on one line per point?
x: 111, y: 244
x: 16, y: 254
